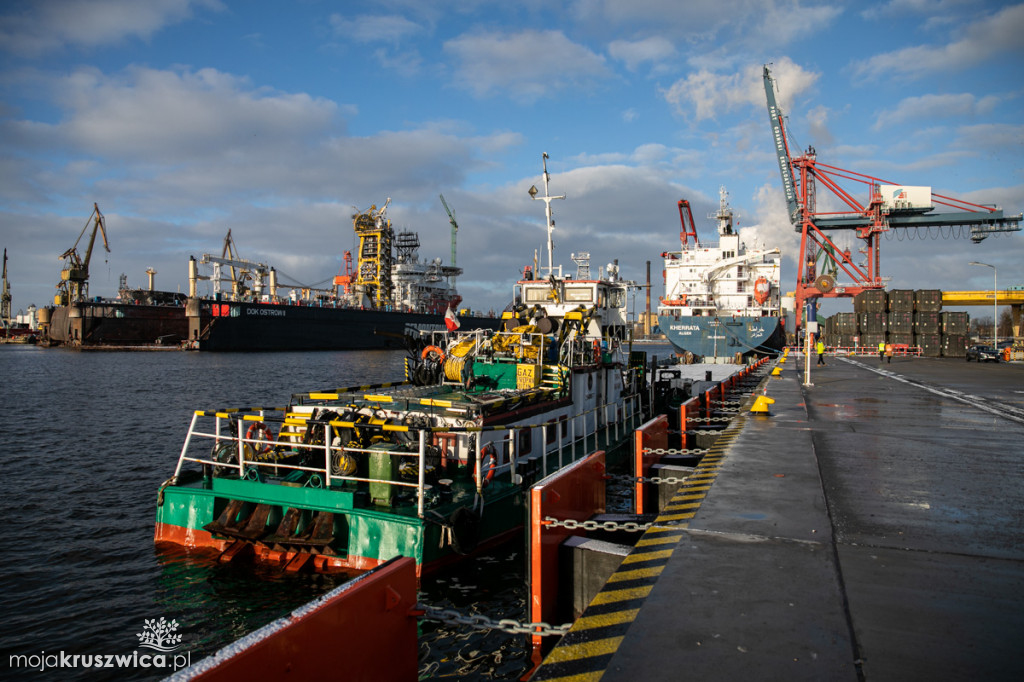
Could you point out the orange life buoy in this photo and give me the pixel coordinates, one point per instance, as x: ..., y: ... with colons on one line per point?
x: 488, y: 462
x: 432, y: 349
x: 259, y: 431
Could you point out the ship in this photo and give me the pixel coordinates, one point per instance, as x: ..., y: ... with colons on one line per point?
x: 434, y: 466
x: 391, y: 292
x: 722, y: 300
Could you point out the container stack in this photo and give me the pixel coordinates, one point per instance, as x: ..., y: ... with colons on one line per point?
x: 900, y: 317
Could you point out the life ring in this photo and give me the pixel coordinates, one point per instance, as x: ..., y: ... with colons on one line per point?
x: 259, y: 431
x: 432, y: 349
x: 488, y: 463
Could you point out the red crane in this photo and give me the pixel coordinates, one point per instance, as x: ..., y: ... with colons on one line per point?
x: 889, y: 205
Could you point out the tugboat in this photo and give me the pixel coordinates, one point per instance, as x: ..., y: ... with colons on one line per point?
x: 432, y: 467
x: 721, y: 300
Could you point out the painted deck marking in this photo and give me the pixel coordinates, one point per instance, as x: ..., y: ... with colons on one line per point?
x: 585, y: 651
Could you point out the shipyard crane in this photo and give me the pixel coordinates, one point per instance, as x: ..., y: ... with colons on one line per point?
x: 246, y: 270
x: 74, y: 277
x: 455, y: 229
x: 889, y: 206
x: 5, y: 297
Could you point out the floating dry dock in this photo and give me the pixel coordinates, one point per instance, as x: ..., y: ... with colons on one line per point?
x: 870, y: 528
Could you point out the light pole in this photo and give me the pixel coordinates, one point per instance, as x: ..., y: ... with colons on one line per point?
x: 995, y: 303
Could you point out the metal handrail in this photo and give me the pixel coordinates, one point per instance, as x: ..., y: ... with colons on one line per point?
x: 625, y: 420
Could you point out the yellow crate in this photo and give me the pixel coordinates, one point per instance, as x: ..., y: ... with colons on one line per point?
x: 527, y: 376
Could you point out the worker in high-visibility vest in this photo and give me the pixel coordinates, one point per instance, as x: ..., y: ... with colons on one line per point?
x: 881, y: 352
x: 820, y: 347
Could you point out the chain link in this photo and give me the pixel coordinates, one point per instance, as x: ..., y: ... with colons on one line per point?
x: 709, y: 419
x: 648, y: 479
x: 675, y: 451
x: 573, y: 524
x: 481, y: 622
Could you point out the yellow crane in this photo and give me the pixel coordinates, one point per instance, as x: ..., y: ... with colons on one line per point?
x: 74, y: 276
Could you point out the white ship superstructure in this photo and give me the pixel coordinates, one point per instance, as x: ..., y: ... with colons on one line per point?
x: 723, y: 279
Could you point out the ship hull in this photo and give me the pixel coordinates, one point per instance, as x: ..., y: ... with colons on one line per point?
x: 232, y: 326
x: 710, y: 337
x: 101, y: 323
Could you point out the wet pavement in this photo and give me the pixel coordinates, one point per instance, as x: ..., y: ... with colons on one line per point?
x: 871, y: 528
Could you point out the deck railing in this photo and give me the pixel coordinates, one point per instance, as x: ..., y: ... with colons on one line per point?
x: 573, y: 438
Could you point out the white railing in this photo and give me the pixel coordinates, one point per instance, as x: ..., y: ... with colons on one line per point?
x: 581, y: 428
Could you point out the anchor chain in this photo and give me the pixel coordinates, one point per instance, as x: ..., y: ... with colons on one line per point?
x: 481, y: 622
x: 573, y: 524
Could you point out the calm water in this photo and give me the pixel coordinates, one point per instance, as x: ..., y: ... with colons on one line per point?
x: 88, y: 438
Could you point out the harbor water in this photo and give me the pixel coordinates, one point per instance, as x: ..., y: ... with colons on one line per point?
x: 88, y: 438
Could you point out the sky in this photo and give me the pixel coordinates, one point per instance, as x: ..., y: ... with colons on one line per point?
x: 183, y: 119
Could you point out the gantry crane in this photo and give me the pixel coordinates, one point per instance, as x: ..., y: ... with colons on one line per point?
x: 74, y: 276
x: 889, y: 206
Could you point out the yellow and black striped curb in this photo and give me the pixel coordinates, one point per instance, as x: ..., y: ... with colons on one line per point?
x: 583, y: 653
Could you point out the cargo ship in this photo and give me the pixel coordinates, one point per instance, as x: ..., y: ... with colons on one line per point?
x: 722, y: 300
x: 433, y: 466
x: 391, y: 292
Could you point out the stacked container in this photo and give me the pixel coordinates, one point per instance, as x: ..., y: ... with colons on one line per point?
x: 900, y: 317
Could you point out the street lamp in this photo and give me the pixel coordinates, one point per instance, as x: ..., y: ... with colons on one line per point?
x: 995, y: 303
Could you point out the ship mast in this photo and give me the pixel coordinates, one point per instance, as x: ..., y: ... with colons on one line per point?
x: 547, y: 198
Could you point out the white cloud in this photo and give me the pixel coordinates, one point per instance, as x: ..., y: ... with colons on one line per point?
x: 982, y: 40
x: 374, y: 28
x: 928, y: 107
x: 48, y: 25
x: 706, y: 95
x: 636, y: 52
x: 529, y: 64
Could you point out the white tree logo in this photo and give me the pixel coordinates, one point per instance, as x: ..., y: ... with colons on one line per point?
x: 159, y: 634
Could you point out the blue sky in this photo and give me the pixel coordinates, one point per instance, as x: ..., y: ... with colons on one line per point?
x: 183, y: 119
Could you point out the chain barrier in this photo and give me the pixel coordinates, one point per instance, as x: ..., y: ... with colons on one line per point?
x: 573, y: 524
x: 709, y: 419
x: 705, y: 432
x: 675, y: 451
x: 649, y: 479
x: 481, y: 622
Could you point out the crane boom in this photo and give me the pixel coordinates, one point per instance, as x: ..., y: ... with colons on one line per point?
x: 781, y: 148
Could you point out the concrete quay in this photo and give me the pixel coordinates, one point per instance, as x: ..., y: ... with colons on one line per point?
x: 870, y: 528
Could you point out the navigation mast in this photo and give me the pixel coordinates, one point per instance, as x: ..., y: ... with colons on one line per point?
x: 547, y: 198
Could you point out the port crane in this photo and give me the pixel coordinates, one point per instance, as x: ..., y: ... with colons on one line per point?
x: 74, y: 276
x: 5, y: 298
x: 455, y: 230
x: 889, y: 206
x: 246, y: 271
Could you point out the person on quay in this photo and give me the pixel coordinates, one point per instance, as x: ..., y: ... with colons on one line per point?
x: 881, y: 351
x: 820, y: 347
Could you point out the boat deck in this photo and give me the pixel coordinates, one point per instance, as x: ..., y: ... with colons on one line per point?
x: 871, y: 528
